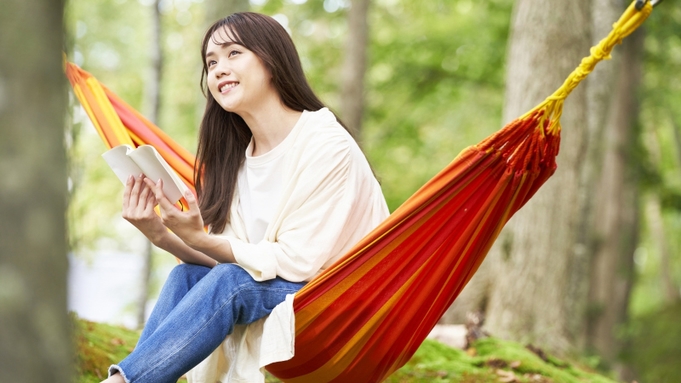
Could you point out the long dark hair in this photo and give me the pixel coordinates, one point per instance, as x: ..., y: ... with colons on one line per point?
x: 223, y: 135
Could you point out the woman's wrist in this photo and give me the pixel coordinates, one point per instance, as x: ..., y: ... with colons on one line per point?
x: 160, y: 238
x: 198, y: 240
x: 215, y: 247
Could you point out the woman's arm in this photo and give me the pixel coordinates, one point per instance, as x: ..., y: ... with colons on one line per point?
x: 176, y: 246
x: 189, y: 240
x: 138, y: 209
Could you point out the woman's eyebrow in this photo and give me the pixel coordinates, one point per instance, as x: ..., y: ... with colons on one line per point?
x: 222, y: 46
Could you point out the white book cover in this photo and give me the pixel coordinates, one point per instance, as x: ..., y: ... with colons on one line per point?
x: 126, y: 161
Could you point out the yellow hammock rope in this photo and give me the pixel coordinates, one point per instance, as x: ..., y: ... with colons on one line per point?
x: 630, y: 20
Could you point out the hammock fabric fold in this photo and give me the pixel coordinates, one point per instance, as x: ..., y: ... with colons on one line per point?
x: 365, y: 317
x: 118, y: 123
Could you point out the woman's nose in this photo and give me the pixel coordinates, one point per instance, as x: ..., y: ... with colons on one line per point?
x: 222, y: 69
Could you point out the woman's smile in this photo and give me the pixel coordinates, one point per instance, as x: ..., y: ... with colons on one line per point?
x: 226, y: 86
x: 231, y: 66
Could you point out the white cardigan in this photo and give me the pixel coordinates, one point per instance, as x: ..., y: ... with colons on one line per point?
x: 330, y: 201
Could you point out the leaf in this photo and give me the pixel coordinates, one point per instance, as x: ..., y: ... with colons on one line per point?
x: 496, y: 363
x: 506, y: 376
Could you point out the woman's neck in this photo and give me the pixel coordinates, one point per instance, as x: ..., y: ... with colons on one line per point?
x: 270, y: 125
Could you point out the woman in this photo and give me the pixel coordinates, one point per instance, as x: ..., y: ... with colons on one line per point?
x: 284, y: 190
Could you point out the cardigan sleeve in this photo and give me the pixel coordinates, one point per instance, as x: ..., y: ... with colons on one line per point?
x: 329, y: 194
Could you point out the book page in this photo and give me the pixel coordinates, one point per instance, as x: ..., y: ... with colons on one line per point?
x: 155, y: 167
x: 122, y: 165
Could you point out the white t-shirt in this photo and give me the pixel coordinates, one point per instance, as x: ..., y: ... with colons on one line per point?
x: 327, y: 199
x: 260, y: 186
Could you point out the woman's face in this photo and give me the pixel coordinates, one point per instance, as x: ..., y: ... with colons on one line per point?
x: 237, y: 78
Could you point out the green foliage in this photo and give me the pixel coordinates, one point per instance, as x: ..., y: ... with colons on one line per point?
x: 112, y: 40
x: 434, y: 81
x: 435, y: 86
x: 98, y: 346
x: 654, y: 340
x: 660, y: 119
x: 652, y: 336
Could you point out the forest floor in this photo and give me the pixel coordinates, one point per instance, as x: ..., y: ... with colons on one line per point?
x: 489, y: 360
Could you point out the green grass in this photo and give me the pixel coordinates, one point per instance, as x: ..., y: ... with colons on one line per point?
x: 99, y: 346
x: 489, y: 361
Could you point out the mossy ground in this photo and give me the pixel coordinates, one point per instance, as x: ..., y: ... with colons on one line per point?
x: 489, y: 361
x: 98, y: 346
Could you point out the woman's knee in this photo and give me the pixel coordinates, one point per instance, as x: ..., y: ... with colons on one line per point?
x: 231, y: 272
x: 187, y: 273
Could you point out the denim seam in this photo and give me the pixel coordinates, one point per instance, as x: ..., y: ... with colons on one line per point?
x: 120, y: 371
x: 238, y: 290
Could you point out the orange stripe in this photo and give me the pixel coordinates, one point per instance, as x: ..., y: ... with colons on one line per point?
x: 395, y: 340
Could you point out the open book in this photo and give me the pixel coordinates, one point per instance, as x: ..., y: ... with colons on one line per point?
x: 126, y: 161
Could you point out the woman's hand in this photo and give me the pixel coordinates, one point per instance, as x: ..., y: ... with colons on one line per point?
x: 188, y: 225
x: 138, y: 208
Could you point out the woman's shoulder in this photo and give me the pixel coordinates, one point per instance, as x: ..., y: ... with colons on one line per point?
x: 322, y: 128
x: 324, y: 143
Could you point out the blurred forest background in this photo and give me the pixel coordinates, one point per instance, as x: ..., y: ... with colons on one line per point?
x: 591, y: 266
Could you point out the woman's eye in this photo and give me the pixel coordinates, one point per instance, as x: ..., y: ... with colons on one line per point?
x: 233, y: 53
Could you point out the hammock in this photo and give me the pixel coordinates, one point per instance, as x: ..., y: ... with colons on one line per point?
x: 365, y: 317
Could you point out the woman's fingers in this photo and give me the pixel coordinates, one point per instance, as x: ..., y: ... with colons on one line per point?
x: 145, y: 193
x: 150, y: 200
x: 126, y: 192
x: 138, y: 199
x: 138, y: 208
x: 191, y: 201
x: 185, y: 224
x: 135, y: 191
x: 157, y: 189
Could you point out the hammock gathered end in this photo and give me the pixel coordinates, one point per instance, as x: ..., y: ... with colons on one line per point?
x: 630, y: 20
x: 364, y: 317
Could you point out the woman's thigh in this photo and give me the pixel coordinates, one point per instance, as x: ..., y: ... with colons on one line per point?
x: 249, y: 300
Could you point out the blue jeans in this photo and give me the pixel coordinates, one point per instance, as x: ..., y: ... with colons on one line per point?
x: 198, y: 307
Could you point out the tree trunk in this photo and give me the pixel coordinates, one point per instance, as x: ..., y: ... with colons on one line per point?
x: 599, y: 95
x: 354, y: 66
x: 616, y: 224
x: 153, y: 92
x: 153, y: 96
x: 35, y: 341
x: 540, y: 287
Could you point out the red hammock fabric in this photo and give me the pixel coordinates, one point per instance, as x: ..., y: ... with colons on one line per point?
x: 395, y: 285
x: 366, y: 316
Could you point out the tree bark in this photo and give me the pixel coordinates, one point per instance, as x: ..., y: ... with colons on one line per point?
x: 540, y: 286
x: 600, y: 95
x: 153, y: 93
x: 617, y: 213
x: 35, y: 342
x: 354, y: 66
x: 153, y: 96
